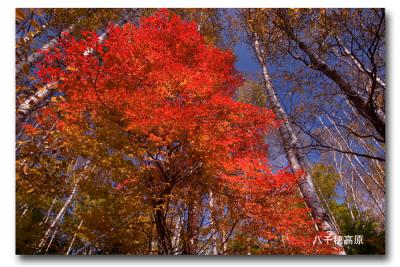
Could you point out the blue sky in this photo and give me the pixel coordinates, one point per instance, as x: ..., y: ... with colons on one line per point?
x: 245, y: 60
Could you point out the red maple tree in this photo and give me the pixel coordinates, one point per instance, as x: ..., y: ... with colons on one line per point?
x: 169, y: 90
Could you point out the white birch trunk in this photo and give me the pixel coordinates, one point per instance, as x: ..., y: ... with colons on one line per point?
x: 376, y: 116
x: 48, y: 212
x: 177, y: 235
x: 290, y: 144
x: 358, y: 64
x: 54, y: 223
x: 360, y: 178
x: 213, y: 229
x: 73, y: 239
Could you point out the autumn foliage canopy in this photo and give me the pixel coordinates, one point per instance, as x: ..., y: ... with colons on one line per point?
x: 153, y: 104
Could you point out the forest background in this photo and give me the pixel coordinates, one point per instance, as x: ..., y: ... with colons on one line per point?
x: 282, y: 161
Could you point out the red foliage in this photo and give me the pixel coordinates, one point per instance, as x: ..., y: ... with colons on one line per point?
x: 30, y: 129
x: 164, y: 83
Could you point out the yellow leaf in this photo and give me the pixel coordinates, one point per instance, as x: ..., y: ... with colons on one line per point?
x: 70, y: 68
x: 19, y: 14
x: 25, y: 169
x: 31, y: 190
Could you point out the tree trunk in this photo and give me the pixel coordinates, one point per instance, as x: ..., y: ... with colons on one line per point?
x: 163, y: 233
x: 54, y: 223
x: 376, y: 115
x: 73, y: 239
x: 177, y: 235
x: 290, y: 144
x: 164, y: 240
x: 214, y: 250
x: 359, y: 175
x: 189, y: 244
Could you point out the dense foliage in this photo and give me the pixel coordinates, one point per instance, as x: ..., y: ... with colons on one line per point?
x: 149, y: 141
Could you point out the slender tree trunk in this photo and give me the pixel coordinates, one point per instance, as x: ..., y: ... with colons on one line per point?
x: 358, y: 63
x: 48, y: 212
x: 345, y: 184
x: 54, y: 223
x: 353, y: 193
x: 189, y: 245
x: 361, y: 179
x: 381, y: 188
x: 290, y: 144
x: 51, y: 240
x: 26, y: 107
x: 25, y: 208
x: 377, y: 164
x: 177, y: 235
x: 73, y: 239
x: 224, y: 242
x: 214, y: 250
x: 329, y: 212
